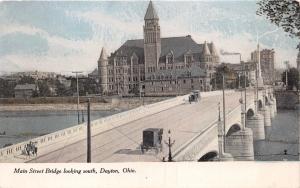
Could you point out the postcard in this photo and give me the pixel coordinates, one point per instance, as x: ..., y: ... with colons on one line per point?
x: 149, y: 93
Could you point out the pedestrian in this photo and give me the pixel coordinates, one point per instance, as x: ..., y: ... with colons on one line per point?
x: 35, y: 150
x: 27, y: 148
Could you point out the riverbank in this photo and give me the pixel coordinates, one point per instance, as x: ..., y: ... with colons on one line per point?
x: 120, y: 104
x: 61, y: 107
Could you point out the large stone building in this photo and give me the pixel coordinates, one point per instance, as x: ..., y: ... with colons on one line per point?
x: 157, y: 66
x: 267, y: 61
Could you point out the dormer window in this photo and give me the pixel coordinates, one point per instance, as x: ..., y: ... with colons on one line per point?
x: 188, y: 58
x: 170, y: 58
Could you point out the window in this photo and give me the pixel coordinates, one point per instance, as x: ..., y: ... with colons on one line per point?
x: 188, y: 59
x: 184, y: 81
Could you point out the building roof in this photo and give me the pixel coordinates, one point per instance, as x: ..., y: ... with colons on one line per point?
x: 206, y: 50
x: 103, y: 55
x: 178, y: 45
x: 151, y: 13
x: 25, y: 87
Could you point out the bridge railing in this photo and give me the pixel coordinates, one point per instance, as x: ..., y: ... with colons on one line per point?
x: 98, y: 126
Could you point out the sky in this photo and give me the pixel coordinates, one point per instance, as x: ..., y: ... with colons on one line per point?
x: 65, y: 36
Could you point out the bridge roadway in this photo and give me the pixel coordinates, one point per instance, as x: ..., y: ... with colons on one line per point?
x: 122, y: 144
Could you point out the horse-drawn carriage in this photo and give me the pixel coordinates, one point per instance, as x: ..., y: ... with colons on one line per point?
x: 194, y: 96
x: 152, y: 139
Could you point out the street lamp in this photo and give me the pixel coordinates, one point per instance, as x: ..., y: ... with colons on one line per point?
x: 77, y: 88
x: 170, y: 144
x: 286, y: 74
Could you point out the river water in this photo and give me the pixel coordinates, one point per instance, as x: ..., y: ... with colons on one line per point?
x: 282, y: 135
x: 21, y: 126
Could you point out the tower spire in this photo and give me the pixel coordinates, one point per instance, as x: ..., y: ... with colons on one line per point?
x: 206, y: 49
x: 150, y: 13
x: 103, y: 55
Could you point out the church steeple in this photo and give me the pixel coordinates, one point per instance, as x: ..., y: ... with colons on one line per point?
x: 152, y: 43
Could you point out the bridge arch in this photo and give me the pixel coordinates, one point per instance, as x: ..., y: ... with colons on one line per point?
x: 233, y: 128
x: 260, y: 104
x: 266, y: 100
x: 250, y: 113
x: 210, y: 156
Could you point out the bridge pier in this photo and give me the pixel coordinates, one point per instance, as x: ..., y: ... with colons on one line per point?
x: 271, y: 106
x: 265, y: 111
x: 240, y: 145
x: 275, y: 105
x: 222, y: 156
x: 256, y: 124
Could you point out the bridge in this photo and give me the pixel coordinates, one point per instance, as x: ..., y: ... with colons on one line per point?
x: 197, y: 128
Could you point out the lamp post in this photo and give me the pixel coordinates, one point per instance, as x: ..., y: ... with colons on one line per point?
x: 88, y: 133
x: 77, y: 88
x: 170, y: 144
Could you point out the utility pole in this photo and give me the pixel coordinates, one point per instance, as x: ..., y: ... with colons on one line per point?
x: 245, y: 112
x: 170, y: 144
x: 140, y: 87
x: 82, y: 116
x: 77, y: 88
x: 88, y: 133
x: 224, y: 114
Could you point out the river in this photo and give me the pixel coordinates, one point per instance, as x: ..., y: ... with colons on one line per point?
x: 282, y: 135
x: 21, y: 126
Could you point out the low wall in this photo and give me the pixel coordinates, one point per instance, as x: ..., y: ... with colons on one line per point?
x: 287, y: 99
x: 78, y: 132
x: 53, y: 100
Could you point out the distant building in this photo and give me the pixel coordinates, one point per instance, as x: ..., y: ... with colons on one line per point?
x: 267, y: 61
x: 157, y: 66
x: 25, y: 90
x: 250, y: 68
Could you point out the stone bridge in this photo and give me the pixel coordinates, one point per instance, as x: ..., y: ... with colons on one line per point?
x: 197, y: 128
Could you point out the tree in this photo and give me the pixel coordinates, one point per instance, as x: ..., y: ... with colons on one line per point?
x: 230, y: 77
x: 283, y: 13
x: 241, y: 82
x: 292, y: 77
x: 6, y: 88
x: 44, y: 90
x: 26, y: 80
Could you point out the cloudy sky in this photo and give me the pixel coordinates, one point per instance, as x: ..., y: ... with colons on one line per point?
x: 68, y: 36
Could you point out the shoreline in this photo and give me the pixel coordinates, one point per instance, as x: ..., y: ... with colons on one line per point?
x: 64, y: 107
